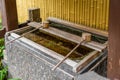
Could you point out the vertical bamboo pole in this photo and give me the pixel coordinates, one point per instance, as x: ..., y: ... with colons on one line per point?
x: 55, y: 5
x: 45, y: 7
x: 97, y: 14
x: 58, y: 9
x: 67, y: 12
x: 73, y: 11
x: 89, y: 10
x: 107, y: 15
x: 104, y: 12
x: 48, y: 8
x: 91, y: 14
x: 80, y: 11
x: 85, y: 11
x: 100, y: 14
x: 77, y: 13
x: 61, y: 9
x: 52, y: 7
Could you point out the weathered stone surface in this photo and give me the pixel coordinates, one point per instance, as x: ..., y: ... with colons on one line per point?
x: 90, y: 76
x: 28, y: 63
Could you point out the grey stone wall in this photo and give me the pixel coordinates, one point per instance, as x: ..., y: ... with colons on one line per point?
x: 28, y: 65
x: 90, y: 76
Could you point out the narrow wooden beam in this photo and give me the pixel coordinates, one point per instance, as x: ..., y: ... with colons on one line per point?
x: 9, y: 14
x: 114, y: 41
x: 81, y: 27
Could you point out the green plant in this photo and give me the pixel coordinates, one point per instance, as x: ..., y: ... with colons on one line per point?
x: 3, y: 73
x: 2, y: 47
x: 3, y: 70
x: 14, y: 79
x: 1, y: 42
x: 1, y: 52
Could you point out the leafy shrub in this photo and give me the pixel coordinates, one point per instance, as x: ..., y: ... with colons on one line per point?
x: 14, y: 79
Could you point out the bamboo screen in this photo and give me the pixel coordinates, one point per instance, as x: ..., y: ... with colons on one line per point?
x: 92, y: 13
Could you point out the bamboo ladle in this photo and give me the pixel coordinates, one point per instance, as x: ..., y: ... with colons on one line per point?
x: 86, y: 37
x: 33, y: 24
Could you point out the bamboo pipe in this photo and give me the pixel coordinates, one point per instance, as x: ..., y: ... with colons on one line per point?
x: 84, y: 28
x: 24, y: 35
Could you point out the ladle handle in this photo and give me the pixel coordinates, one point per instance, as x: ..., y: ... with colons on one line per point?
x: 54, y: 68
x: 23, y: 35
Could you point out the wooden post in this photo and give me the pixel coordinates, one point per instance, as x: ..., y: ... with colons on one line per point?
x: 9, y: 14
x: 114, y: 41
x: 2, y: 31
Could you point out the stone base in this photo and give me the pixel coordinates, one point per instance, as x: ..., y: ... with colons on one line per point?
x: 28, y: 63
